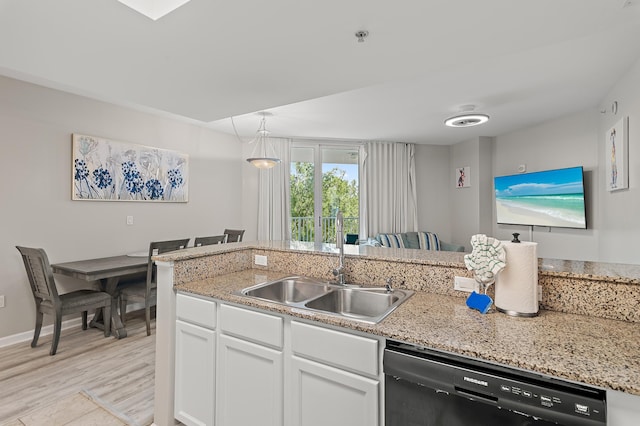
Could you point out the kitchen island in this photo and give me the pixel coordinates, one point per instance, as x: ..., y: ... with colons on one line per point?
x: 599, y: 349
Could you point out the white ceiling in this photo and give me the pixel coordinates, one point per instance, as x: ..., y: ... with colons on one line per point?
x: 521, y: 62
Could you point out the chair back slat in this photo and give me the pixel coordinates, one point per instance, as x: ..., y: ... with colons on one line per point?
x: 234, y: 235
x: 159, y: 247
x: 39, y: 272
x: 207, y: 241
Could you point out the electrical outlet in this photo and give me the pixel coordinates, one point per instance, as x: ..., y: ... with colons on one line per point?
x: 2, y: 301
x: 260, y: 260
x: 464, y: 284
x: 129, y: 220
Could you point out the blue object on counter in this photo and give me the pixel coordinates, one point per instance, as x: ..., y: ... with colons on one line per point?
x: 481, y: 302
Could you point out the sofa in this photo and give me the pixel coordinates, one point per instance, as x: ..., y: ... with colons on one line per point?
x: 416, y: 240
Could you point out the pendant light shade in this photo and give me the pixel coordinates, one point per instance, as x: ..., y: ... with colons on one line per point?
x: 154, y: 9
x: 263, y: 156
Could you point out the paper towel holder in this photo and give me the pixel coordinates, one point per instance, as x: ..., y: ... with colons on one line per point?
x: 515, y: 237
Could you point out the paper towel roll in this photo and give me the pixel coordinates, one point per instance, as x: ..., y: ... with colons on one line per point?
x: 517, y: 284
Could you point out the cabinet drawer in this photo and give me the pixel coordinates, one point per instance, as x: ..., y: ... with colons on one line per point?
x: 251, y: 325
x: 196, y: 310
x: 343, y: 350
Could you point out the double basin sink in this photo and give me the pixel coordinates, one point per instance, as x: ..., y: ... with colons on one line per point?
x: 370, y: 305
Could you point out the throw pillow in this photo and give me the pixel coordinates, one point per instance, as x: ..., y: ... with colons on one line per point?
x: 391, y: 240
x: 429, y: 241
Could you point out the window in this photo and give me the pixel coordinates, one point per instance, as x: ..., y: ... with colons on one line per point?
x: 324, y: 178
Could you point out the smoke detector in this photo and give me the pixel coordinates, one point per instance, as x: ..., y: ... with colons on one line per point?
x: 361, y: 35
x: 467, y: 117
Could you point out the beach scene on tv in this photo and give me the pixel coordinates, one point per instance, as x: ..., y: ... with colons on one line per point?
x: 549, y: 198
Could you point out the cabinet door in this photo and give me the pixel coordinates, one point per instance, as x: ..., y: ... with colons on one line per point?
x: 323, y: 395
x: 250, y: 384
x: 194, y: 376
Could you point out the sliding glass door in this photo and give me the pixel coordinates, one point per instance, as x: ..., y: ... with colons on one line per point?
x: 324, y: 178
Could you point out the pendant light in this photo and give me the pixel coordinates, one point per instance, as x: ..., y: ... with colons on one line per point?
x: 263, y: 156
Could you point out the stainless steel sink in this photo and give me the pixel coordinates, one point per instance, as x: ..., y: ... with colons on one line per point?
x: 369, y: 305
x: 288, y: 290
x: 356, y: 303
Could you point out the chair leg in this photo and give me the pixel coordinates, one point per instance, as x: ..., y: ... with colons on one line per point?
x: 36, y: 331
x: 147, y: 314
x: 106, y: 315
x: 84, y: 320
x: 57, y: 326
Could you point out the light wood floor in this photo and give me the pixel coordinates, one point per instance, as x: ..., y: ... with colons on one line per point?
x: 117, y: 374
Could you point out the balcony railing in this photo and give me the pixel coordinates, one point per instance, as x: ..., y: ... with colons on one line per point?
x: 303, y: 229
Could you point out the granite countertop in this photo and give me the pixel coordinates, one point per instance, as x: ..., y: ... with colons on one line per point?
x: 598, y: 271
x: 585, y: 349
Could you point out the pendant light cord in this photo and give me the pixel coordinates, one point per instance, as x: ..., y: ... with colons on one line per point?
x: 235, y: 130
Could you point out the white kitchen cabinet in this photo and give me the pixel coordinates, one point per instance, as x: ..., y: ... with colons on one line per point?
x: 232, y: 364
x: 323, y: 395
x: 195, y: 361
x: 335, y: 377
x: 250, y: 384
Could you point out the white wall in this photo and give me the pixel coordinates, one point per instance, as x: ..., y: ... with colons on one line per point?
x: 470, y: 208
x: 579, y: 139
x: 619, y: 210
x: 565, y: 142
x: 465, y: 202
x: 35, y: 186
x: 434, y: 178
x: 573, y: 140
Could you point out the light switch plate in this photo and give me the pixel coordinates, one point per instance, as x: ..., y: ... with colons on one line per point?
x: 2, y: 301
x: 260, y: 260
x: 129, y: 220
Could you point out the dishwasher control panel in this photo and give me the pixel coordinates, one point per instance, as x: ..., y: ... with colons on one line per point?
x: 554, y: 400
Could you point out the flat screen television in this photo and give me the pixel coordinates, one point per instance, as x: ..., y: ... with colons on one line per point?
x: 553, y: 198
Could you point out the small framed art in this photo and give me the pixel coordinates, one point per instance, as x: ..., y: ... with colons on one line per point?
x: 617, y: 156
x: 462, y: 178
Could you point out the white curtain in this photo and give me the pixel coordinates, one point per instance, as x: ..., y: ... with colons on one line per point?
x: 388, y: 201
x: 273, y: 195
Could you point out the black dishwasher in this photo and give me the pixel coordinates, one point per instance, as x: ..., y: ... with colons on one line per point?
x: 432, y: 388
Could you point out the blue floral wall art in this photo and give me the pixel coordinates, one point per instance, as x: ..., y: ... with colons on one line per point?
x: 118, y: 171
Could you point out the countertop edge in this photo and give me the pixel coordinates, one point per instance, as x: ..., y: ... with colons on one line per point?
x: 573, y: 362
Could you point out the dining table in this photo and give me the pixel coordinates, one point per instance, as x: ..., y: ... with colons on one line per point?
x: 108, y: 271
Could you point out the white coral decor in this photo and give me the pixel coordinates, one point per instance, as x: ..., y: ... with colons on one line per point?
x: 486, y: 259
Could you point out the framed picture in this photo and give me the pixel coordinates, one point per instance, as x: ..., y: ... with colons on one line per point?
x: 108, y: 170
x: 462, y: 178
x: 617, y: 156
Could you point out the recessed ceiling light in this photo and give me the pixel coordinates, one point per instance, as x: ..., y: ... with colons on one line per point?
x: 154, y: 9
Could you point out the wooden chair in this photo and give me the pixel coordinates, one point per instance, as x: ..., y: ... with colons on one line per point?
x: 234, y: 235
x: 48, y: 301
x: 207, y: 241
x: 145, y: 291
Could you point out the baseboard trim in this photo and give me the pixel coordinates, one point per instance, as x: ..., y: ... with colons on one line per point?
x: 47, y: 329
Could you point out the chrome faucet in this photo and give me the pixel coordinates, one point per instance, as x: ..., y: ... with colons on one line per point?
x: 339, y: 271
x: 387, y: 286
